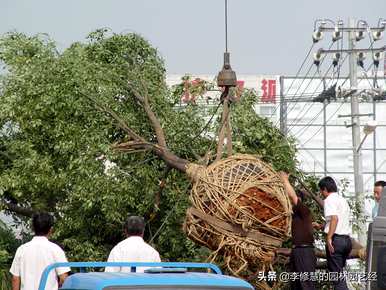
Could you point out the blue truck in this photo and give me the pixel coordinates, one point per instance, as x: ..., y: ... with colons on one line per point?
x: 157, y: 276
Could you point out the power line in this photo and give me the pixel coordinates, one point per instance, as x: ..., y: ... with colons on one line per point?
x: 320, y: 128
x: 338, y: 69
x: 297, y: 73
x: 366, y: 77
x: 302, y: 130
x: 314, y: 158
x: 297, y: 118
x: 309, y: 82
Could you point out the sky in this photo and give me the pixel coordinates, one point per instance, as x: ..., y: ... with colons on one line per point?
x: 265, y: 37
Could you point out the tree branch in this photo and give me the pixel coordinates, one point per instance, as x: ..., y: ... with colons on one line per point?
x: 121, y: 123
x: 144, y: 100
x: 308, y: 192
x: 24, y: 211
x: 357, y: 253
x: 138, y: 143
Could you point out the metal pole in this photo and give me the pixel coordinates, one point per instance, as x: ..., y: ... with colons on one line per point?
x: 325, y: 136
x: 356, y: 138
x: 375, y: 144
x: 283, y: 109
x: 226, y: 25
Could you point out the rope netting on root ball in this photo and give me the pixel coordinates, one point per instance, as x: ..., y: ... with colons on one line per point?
x: 240, y: 211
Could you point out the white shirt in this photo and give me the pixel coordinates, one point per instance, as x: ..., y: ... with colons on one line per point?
x: 32, y: 258
x: 133, y: 249
x: 335, y: 204
x: 375, y: 210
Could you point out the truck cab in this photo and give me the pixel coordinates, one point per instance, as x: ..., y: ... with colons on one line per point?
x: 156, y: 276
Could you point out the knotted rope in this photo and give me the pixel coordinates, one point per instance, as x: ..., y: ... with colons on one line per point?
x: 239, y: 211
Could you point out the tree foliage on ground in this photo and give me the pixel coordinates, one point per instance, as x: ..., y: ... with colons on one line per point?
x: 56, y: 138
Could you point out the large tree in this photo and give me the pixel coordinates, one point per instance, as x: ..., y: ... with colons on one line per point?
x: 60, y: 115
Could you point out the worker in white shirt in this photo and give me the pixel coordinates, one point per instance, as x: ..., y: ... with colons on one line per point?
x: 337, y: 228
x: 378, y: 188
x: 133, y: 248
x: 33, y: 257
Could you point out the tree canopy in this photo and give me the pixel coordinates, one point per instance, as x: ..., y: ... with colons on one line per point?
x: 57, y: 131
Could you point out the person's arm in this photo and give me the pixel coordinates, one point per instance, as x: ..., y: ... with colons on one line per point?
x: 62, y: 277
x: 315, y: 197
x: 60, y: 257
x: 309, y: 193
x: 288, y: 188
x: 15, y: 270
x: 331, y: 232
x: 318, y: 200
x: 318, y: 226
x: 112, y: 258
x: 15, y: 282
x: 156, y: 257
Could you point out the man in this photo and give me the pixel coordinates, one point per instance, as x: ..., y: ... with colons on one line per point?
x: 33, y: 257
x: 378, y: 188
x: 337, y: 228
x: 302, y: 257
x: 133, y: 248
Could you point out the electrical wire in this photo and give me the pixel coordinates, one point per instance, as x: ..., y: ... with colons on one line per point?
x: 305, y: 128
x: 309, y: 108
x: 298, y: 117
x: 320, y: 128
x: 168, y: 215
x: 367, y: 78
x: 289, y: 109
x: 314, y: 158
x: 303, y: 79
x: 301, y: 131
x: 297, y: 73
x: 293, y: 98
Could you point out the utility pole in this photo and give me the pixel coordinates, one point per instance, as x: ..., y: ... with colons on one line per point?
x: 325, y: 103
x: 283, y: 109
x: 356, y: 131
x: 355, y: 31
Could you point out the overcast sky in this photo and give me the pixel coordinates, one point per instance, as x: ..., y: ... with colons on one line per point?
x: 265, y: 37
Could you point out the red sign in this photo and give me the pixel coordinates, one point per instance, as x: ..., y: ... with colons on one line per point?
x: 268, y: 88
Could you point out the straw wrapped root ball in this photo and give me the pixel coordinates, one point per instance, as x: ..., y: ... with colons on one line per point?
x: 240, y: 211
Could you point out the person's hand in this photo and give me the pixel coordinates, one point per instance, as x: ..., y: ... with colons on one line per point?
x: 330, y: 246
x: 283, y: 176
x: 317, y: 226
x: 305, y: 193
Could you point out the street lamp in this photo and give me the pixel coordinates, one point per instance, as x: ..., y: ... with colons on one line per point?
x: 367, y: 129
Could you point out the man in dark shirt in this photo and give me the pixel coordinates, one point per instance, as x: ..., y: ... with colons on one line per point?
x: 302, y: 259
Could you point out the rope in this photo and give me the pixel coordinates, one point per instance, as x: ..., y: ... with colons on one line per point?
x: 239, y: 211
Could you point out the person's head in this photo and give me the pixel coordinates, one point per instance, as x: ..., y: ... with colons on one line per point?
x: 378, y: 187
x: 327, y: 185
x: 42, y: 223
x: 135, y: 226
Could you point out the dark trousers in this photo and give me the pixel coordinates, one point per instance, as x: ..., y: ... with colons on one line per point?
x: 337, y: 260
x: 303, y: 260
